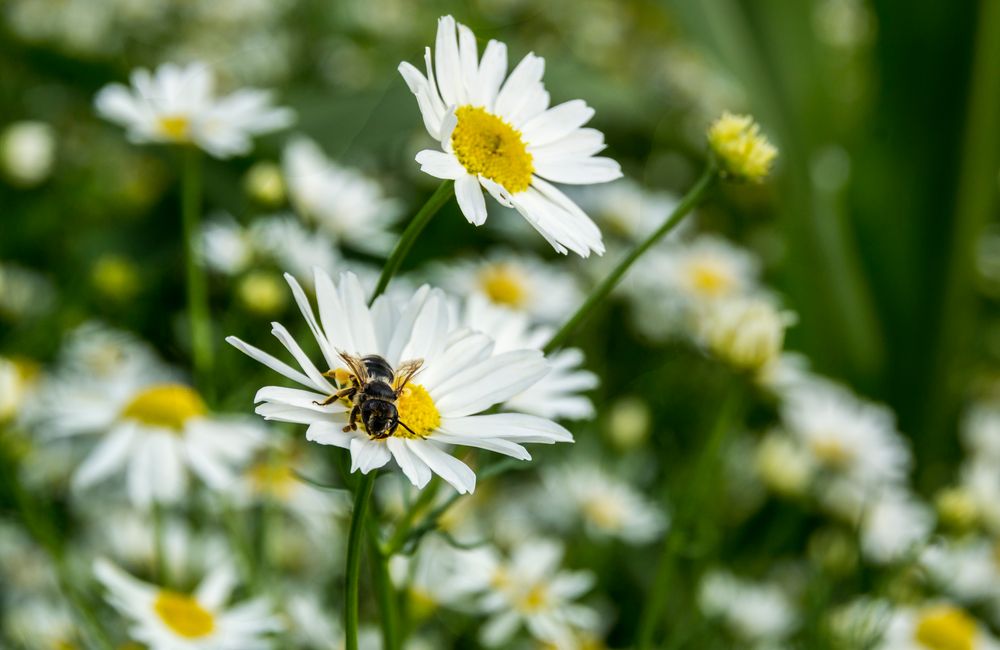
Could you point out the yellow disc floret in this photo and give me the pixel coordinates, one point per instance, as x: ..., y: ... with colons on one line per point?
x: 741, y: 149
x: 183, y: 615
x: 175, y: 127
x: 487, y: 146
x: 504, y: 285
x: 710, y: 279
x: 165, y: 405
x: 416, y: 410
x: 944, y: 627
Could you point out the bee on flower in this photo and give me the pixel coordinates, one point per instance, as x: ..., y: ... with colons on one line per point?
x: 401, y: 383
x: 179, y: 105
x: 499, y: 134
x: 164, y: 619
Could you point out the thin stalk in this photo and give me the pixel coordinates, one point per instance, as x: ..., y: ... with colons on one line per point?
x: 690, y: 200
x: 197, y: 289
x: 385, y: 592
x: 441, y: 196
x: 687, y: 524
x: 354, y: 540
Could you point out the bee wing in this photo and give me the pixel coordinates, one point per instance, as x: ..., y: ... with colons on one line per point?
x: 405, y: 372
x: 355, y: 365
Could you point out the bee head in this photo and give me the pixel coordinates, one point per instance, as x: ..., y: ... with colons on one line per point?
x: 380, y: 418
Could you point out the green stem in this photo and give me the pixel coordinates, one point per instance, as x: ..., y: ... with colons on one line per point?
x: 354, y: 539
x: 688, y: 523
x: 402, y: 530
x: 384, y: 591
x: 197, y: 290
x: 690, y: 200
x: 441, y: 196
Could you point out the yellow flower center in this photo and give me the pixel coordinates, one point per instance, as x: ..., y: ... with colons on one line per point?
x: 175, y: 127
x: 183, y: 615
x: 165, y: 405
x: 487, y: 146
x: 416, y: 410
x: 743, y: 151
x: 603, y: 513
x: 272, y: 478
x: 709, y: 279
x: 944, y: 627
x: 534, y: 599
x: 504, y: 284
x: 832, y: 452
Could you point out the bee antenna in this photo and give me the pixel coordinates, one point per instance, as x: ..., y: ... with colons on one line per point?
x: 403, y: 424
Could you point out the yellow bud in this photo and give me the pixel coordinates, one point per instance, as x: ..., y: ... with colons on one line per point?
x: 742, y: 151
x: 262, y: 293
x: 116, y: 277
x: 265, y: 184
x: 628, y: 423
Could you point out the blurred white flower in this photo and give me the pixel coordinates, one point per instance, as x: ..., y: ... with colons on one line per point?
x: 178, y: 104
x: 705, y: 269
x: 343, y: 202
x: 784, y: 465
x: 607, y: 506
x: 528, y: 590
x: 502, y: 136
x: 559, y: 394
x: 518, y: 281
x: 460, y: 375
x: 746, y: 332
x: 40, y: 624
x: 965, y: 569
x: 27, y: 152
x: 628, y: 210
x: 981, y: 433
x: 150, y: 424
x: 753, y: 612
x: 168, y: 620
x: 18, y: 382
x: 894, y: 524
x: 849, y: 438
x: 24, y: 293
x: 934, y: 626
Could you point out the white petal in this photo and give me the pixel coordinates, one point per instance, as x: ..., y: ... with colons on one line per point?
x: 447, y: 62
x: 499, y: 445
x: 491, y: 73
x: 317, y: 380
x: 497, y: 379
x: 525, y: 78
x: 518, y: 427
x: 557, y: 122
x: 271, y: 362
x: 468, y: 62
x: 415, y: 469
x: 106, y: 458
x: 329, y: 434
x: 214, y: 590
x: 440, y: 165
x: 367, y: 455
x: 470, y: 199
x: 452, y: 470
x: 579, y: 171
x: 307, y: 312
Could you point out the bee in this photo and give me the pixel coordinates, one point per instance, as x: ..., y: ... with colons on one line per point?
x: 373, y: 391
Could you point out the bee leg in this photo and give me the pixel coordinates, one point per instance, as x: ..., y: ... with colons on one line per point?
x: 347, y: 393
x: 352, y: 424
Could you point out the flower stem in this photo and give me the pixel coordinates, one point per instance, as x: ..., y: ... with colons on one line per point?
x: 354, y: 541
x: 384, y: 590
x: 690, y: 200
x: 197, y: 291
x: 444, y: 192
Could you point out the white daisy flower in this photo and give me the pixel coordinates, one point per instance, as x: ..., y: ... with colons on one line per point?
x: 345, y: 203
x: 559, y: 394
x: 706, y: 269
x: 851, y: 439
x: 517, y: 281
x: 894, y: 525
x: 934, y: 626
x: 458, y: 375
x: 503, y: 137
x: 753, y: 612
x: 966, y: 569
x: 529, y: 590
x: 225, y: 247
x: 178, y: 104
x: 607, y: 506
x: 168, y: 620
x: 154, y: 427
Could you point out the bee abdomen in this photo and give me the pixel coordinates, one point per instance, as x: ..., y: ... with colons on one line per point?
x: 378, y: 368
x: 379, y: 390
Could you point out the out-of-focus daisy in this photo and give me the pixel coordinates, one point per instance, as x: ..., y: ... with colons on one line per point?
x: 893, y: 525
x: 705, y: 269
x: 153, y: 426
x: 747, y: 333
x: 427, y: 577
x: 179, y: 105
x: 784, y: 465
x: 559, y: 394
x: 41, y: 624
x: 544, y: 291
x: 168, y: 620
x: 529, y: 590
x: 24, y: 293
x: 965, y: 569
x: 753, y: 612
x: 847, y: 437
x: 607, y: 506
x: 27, y: 152
x: 626, y: 209
x: 459, y: 375
x: 981, y: 433
x: 935, y: 626
x: 346, y: 204
x: 18, y: 381
x: 502, y: 136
